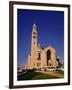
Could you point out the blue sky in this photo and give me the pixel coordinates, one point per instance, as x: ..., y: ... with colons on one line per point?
x: 50, y: 29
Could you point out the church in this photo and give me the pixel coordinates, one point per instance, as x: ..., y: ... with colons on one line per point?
x: 40, y: 57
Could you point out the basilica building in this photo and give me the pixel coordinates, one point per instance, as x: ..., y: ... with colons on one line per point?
x: 40, y: 57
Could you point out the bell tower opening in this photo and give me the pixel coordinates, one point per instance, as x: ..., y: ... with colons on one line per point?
x: 48, y: 56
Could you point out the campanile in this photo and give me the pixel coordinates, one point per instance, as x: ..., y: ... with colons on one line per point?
x: 33, y: 45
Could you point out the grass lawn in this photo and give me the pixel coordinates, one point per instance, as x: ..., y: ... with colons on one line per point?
x: 60, y: 72
x: 32, y: 75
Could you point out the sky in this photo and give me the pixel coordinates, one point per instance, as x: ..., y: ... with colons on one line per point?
x: 50, y: 31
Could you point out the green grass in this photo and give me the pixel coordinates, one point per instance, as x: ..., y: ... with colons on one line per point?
x: 28, y: 75
x: 60, y: 72
x: 32, y: 75
x: 43, y: 76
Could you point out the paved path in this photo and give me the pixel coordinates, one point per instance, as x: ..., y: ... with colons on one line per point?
x: 22, y: 73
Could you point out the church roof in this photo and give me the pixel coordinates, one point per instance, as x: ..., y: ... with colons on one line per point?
x: 40, y: 47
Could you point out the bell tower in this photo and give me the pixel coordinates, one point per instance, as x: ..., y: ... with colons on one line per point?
x: 33, y: 45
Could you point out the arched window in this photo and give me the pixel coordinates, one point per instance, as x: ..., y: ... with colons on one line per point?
x: 38, y: 64
x: 39, y: 56
x: 34, y: 36
x: 34, y: 33
x: 48, y: 56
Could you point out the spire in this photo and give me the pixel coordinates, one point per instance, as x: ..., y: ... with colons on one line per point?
x: 34, y: 22
x: 34, y: 27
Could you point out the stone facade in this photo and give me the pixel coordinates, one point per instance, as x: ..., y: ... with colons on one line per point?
x: 40, y: 57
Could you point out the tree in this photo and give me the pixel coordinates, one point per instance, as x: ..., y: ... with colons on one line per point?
x: 59, y: 63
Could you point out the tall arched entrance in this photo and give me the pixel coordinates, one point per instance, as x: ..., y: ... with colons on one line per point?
x: 48, y: 56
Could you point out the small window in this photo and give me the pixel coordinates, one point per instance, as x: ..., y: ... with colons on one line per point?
x: 38, y: 64
x: 50, y: 64
x: 39, y: 56
x: 34, y: 27
x: 34, y: 33
x: 34, y: 42
x: 34, y: 64
x: 34, y: 36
